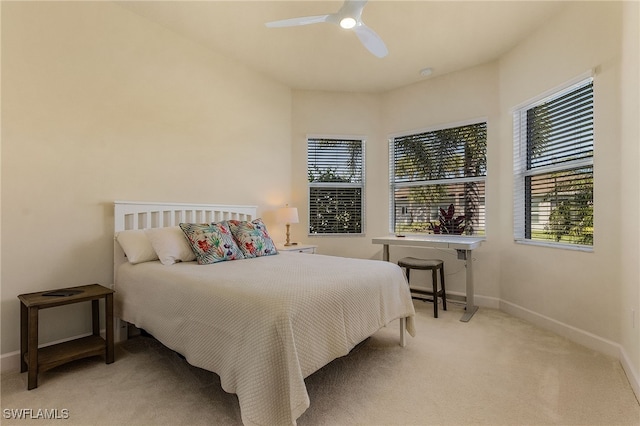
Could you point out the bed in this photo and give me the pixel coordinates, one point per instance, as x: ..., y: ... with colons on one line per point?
x: 263, y: 324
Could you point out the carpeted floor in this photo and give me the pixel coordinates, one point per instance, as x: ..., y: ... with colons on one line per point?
x: 493, y: 370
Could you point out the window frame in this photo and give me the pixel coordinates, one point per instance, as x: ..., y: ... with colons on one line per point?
x: 522, y: 172
x: 460, y: 180
x: 361, y: 185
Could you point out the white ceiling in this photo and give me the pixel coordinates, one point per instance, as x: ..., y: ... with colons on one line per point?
x: 444, y: 35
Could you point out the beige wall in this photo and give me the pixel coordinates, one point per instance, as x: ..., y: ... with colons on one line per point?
x: 593, y: 292
x: 576, y: 288
x: 630, y: 186
x: 101, y: 105
x: 341, y: 114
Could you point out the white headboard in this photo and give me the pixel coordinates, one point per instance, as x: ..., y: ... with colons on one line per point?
x: 140, y: 215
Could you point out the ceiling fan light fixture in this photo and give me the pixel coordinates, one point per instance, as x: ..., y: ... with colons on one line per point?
x: 348, y: 18
x: 347, y: 23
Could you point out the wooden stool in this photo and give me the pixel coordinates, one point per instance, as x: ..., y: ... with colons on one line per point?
x: 432, y: 265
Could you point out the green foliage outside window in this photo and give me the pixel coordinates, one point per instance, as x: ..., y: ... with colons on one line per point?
x: 559, y: 163
x: 335, y: 175
x: 435, y: 172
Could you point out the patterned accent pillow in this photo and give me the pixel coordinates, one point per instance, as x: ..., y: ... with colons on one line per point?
x: 252, y: 238
x: 212, y: 242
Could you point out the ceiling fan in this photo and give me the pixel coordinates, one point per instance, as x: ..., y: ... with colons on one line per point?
x: 348, y: 17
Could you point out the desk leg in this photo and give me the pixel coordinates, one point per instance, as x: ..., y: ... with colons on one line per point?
x: 385, y: 252
x: 32, y: 350
x: 470, y: 307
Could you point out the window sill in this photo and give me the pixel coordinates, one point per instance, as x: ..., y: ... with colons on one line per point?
x: 336, y: 235
x: 573, y: 247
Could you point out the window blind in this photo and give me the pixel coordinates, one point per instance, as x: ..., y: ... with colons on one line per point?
x: 336, y: 181
x: 553, y: 167
x: 561, y: 130
x: 434, y: 170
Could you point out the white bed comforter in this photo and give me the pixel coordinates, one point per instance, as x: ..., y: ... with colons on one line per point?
x: 264, y: 324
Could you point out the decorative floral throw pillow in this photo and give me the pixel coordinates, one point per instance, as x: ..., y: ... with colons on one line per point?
x: 252, y: 238
x: 211, y: 242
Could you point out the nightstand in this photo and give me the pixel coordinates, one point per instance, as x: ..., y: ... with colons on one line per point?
x: 38, y: 360
x: 298, y: 248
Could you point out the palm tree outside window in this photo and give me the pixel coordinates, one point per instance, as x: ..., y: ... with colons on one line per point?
x: 553, y: 168
x: 438, y: 180
x: 335, y: 169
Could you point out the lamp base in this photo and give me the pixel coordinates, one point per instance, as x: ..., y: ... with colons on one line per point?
x: 288, y: 242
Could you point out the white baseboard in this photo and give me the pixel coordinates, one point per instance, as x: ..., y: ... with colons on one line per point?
x: 632, y: 374
x: 579, y: 336
x: 10, y: 362
x: 482, y: 301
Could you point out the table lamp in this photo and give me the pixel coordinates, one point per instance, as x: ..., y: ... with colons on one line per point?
x: 288, y: 215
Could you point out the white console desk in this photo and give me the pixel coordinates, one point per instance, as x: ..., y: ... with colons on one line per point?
x: 462, y: 245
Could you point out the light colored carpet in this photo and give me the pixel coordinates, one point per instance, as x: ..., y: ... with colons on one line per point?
x: 494, y: 370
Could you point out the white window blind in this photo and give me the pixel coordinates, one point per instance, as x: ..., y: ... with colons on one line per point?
x: 335, y: 169
x: 553, y: 168
x: 438, y: 181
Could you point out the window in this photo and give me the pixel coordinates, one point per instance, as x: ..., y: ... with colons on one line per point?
x: 336, y: 185
x: 438, y: 181
x: 553, y: 167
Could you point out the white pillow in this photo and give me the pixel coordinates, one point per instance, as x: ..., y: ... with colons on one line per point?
x: 136, y: 246
x: 170, y: 244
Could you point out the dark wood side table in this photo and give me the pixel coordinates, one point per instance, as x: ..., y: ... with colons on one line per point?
x: 38, y: 360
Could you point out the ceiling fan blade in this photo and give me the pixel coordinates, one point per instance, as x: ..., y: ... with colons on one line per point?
x: 348, y: 17
x: 371, y: 40
x: 294, y: 22
x: 352, y: 8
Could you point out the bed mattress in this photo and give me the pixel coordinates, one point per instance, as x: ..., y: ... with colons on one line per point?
x: 264, y: 324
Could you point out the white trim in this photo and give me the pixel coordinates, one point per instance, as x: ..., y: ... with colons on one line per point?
x: 154, y: 213
x: 333, y: 185
x: 568, y: 165
x: 630, y: 371
x: 391, y: 187
x: 552, y: 244
x: 441, y: 181
x: 579, y: 336
x: 343, y: 137
x: 481, y: 301
x: 10, y: 362
x: 572, y: 333
x: 352, y: 234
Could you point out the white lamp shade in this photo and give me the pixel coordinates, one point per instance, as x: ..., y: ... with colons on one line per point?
x: 287, y: 215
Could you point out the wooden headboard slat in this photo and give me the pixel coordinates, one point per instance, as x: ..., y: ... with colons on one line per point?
x: 129, y: 215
